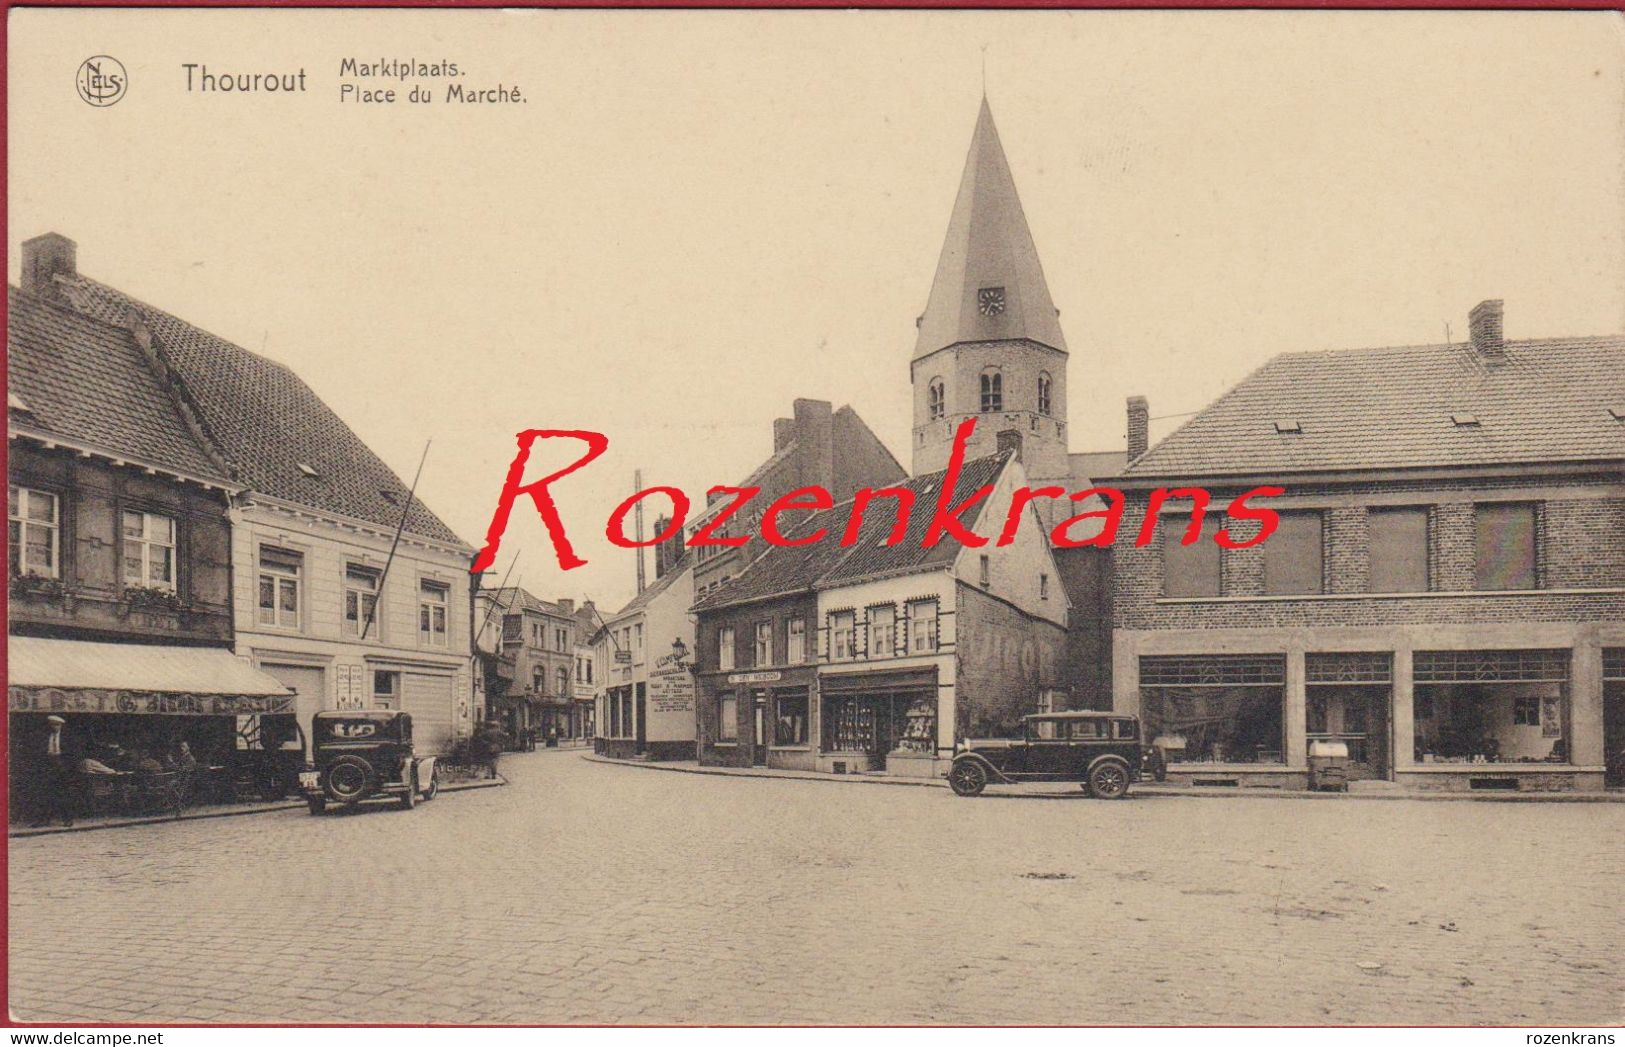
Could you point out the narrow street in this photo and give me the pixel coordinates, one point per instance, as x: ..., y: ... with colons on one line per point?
x: 588, y: 893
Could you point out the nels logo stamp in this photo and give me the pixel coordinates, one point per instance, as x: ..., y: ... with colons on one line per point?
x: 101, y: 80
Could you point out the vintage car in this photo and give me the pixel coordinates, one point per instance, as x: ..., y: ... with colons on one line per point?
x: 1103, y: 751
x: 359, y: 755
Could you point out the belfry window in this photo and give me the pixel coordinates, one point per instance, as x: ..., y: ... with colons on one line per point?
x: 1043, y: 392
x: 992, y: 390
x: 936, y: 399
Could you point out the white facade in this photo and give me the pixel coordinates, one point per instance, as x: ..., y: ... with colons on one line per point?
x: 313, y: 568
x: 635, y: 645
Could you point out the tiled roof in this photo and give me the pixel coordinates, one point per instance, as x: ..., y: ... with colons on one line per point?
x: 267, y: 423
x: 1408, y: 407
x: 783, y: 570
x: 1092, y: 465
x: 87, y: 382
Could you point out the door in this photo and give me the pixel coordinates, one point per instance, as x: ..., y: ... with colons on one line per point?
x: 1613, y: 731
x: 758, y: 756
x: 428, y: 697
x: 1053, y: 747
x: 642, y: 732
x: 1356, y: 716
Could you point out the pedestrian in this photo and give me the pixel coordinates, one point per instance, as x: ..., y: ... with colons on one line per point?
x: 58, y: 782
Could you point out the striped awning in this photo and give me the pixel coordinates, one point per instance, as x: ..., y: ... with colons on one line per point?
x: 74, y: 676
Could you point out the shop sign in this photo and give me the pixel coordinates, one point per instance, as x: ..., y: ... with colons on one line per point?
x: 150, y: 703
x: 671, y: 693
x: 765, y: 677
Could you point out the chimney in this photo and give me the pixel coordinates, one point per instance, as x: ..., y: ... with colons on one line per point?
x: 815, y: 441
x: 1484, y: 329
x: 567, y: 606
x: 45, y: 258
x: 784, y: 430
x: 1139, y: 426
x: 1010, y: 440
x: 668, y: 551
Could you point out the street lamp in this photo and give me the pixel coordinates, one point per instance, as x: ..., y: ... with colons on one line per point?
x: 679, y: 651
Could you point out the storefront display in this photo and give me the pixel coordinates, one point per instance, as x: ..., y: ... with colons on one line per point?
x: 1219, y: 709
x: 1477, y: 707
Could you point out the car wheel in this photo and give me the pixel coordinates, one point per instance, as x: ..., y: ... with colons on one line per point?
x: 1108, y: 780
x: 434, y: 786
x: 317, y: 804
x: 350, y: 779
x: 968, y: 778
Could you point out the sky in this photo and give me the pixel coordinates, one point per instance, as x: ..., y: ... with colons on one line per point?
x: 696, y: 217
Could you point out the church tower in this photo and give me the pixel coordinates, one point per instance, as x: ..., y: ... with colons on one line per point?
x: 990, y: 345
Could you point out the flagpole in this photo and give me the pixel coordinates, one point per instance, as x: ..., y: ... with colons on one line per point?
x: 382, y: 578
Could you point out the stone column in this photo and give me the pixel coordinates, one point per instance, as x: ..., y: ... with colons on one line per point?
x: 1404, y: 715
x: 1297, y: 716
x: 1585, y: 704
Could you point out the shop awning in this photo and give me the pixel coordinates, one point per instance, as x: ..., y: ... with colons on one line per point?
x: 73, y: 676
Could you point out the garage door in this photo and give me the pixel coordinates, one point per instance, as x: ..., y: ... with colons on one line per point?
x: 428, y: 697
x: 308, y: 680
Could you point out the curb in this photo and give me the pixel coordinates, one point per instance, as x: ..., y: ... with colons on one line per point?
x: 125, y: 823
x: 1141, y: 790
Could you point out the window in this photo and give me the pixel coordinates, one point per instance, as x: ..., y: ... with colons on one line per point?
x: 841, y: 636
x: 936, y: 399
x: 795, y: 632
x: 279, y: 587
x: 1292, y: 556
x: 637, y: 637
x: 992, y: 390
x: 1505, y: 545
x: 561, y: 640
x: 360, y: 601
x: 728, y: 718
x: 588, y: 663
x: 986, y: 571
x: 922, y: 626
x: 725, y: 647
x: 882, y: 631
x: 432, y: 600
x: 1526, y: 711
x: 35, y: 532
x: 1191, y: 570
x: 538, y: 681
x: 149, y: 550
x: 762, y: 649
x: 1043, y: 587
x: 386, y: 690
x: 790, y: 719
x: 562, y: 679
x: 1043, y: 392
x: 1399, y: 550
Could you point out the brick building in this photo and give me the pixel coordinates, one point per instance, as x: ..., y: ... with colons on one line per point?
x: 320, y: 601
x: 877, y: 656
x: 1446, y: 590
x: 528, y: 651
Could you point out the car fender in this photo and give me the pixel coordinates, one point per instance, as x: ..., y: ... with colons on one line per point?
x: 425, y: 770
x: 1133, y: 772
x: 993, y: 773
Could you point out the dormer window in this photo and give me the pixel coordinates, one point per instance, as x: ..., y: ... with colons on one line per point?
x: 309, y: 470
x: 990, y: 301
x: 936, y: 399
x: 1288, y: 425
x: 992, y: 390
x: 1464, y: 421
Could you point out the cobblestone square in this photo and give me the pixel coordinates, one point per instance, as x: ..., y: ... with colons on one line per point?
x: 592, y: 893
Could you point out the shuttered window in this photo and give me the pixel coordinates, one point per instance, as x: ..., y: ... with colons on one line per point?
x: 1292, y: 556
x: 1399, y: 550
x: 1505, y: 546
x: 1190, y: 570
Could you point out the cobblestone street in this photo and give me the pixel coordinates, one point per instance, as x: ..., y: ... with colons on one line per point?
x: 587, y: 892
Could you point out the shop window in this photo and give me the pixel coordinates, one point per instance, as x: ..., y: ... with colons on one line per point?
x: 35, y: 532
x: 762, y: 649
x: 842, y: 636
x: 936, y: 400
x: 882, y: 631
x: 725, y: 647
x: 1491, y: 722
x: 728, y: 718
x: 1236, y: 723
x: 1292, y: 556
x: 1191, y: 570
x: 433, y: 599
x: 919, y: 733
x: 386, y: 690
x: 795, y: 632
x: 790, y: 720
x: 360, y: 601
x: 1505, y: 546
x: 1043, y: 392
x: 922, y: 626
x: 1399, y: 550
x: 149, y: 550
x: 279, y: 584
x: 992, y: 390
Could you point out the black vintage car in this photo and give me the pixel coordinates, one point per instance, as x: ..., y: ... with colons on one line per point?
x: 364, y: 754
x: 1103, y: 751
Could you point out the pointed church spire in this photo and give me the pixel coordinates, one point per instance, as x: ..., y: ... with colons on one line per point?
x: 989, y: 283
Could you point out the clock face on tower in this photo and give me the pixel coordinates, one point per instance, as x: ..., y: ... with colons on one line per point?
x: 990, y: 301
